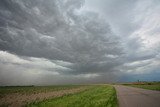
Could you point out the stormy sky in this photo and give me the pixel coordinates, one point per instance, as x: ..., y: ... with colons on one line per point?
x: 45, y: 42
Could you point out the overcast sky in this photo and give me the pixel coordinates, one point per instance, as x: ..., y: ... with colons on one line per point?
x: 45, y: 42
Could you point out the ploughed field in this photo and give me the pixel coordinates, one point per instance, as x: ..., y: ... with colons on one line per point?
x: 59, y: 96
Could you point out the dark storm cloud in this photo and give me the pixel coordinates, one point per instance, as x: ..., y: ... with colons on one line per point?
x: 78, y: 41
x: 57, y: 31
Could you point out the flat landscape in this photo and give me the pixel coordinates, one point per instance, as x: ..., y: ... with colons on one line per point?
x: 59, y: 96
x: 145, y: 85
x: 79, y: 53
x: 93, y: 95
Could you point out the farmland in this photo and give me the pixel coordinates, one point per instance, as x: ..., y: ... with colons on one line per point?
x: 97, y: 96
x: 146, y: 85
x: 19, y: 96
x: 59, y: 96
x: 33, y: 89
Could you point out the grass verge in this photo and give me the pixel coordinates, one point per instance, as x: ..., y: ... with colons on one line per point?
x: 98, y: 96
x: 146, y: 85
x: 149, y: 87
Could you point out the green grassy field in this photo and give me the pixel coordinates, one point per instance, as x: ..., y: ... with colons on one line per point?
x: 150, y: 87
x: 97, y: 96
x: 146, y: 85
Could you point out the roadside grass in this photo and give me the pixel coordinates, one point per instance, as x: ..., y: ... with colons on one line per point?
x: 146, y: 85
x: 97, y: 96
x: 150, y: 87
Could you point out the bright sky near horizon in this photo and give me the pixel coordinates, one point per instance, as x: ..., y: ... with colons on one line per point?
x: 44, y: 42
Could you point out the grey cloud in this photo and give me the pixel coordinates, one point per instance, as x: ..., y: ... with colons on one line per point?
x: 53, y: 30
x: 120, y: 14
x: 80, y: 40
x: 17, y: 70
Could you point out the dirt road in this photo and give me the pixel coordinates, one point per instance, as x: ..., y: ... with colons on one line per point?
x: 136, y: 97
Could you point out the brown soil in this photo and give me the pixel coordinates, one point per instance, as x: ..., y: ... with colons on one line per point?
x: 18, y: 100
